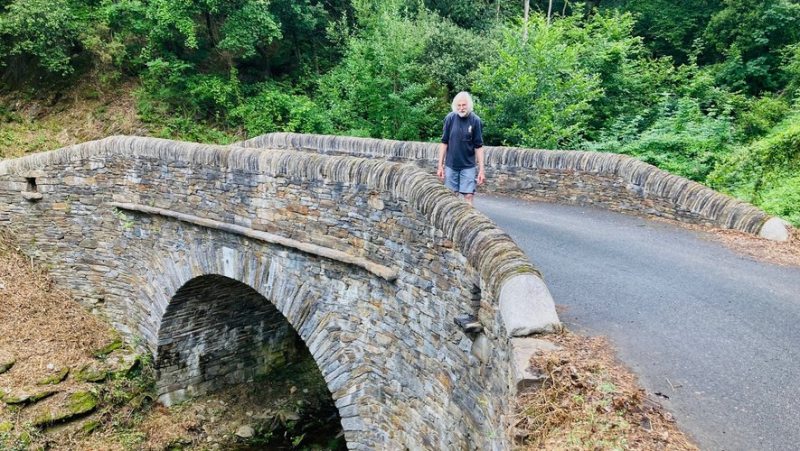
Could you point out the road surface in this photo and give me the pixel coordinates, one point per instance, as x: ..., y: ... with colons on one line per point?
x: 716, y: 332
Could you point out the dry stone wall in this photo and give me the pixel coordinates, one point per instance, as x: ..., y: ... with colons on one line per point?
x: 192, y: 250
x: 607, y: 180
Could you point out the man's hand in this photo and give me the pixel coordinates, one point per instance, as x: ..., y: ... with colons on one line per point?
x: 440, y: 172
x: 481, y: 177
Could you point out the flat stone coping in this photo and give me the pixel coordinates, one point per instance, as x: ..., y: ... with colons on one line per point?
x: 313, y: 249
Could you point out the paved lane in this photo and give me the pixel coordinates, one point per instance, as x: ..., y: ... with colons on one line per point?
x: 682, y: 311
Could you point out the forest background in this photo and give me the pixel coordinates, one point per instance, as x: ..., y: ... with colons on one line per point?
x: 707, y: 89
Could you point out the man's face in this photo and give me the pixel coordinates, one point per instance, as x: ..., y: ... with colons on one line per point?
x: 461, y: 106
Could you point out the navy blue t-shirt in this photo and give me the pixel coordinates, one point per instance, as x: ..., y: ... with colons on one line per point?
x: 462, y: 136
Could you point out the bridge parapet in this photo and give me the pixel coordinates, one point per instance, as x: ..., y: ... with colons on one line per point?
x: 611, y: 181
x: 152, y: 233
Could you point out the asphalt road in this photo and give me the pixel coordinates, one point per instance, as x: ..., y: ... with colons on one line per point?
x: 717, y: 333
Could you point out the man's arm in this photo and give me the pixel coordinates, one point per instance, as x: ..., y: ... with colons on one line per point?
x: 481, y: 173
x: 442, y: 152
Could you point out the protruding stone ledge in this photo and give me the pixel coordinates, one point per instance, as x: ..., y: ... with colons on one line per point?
x: 527, y: 307
x: 333, y: 254
x: 525, y: 377
x: 31, y: 196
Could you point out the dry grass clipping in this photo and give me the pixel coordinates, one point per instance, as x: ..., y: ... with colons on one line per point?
x: 785, y: 253
x: 588, y: 401
x: 40, y: 324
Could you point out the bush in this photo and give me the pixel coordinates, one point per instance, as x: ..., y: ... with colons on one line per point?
x: 275, y: 108
x: 766, y: 172
x: 684, y: 140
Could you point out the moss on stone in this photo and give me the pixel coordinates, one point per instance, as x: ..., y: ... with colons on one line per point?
x: 6, y: 426
x: 91, y: 374
x: 55, y: 378
x: 125, y: 366
x: 102, y: 352
x: 77, y: 404
x: 28, y: 398
x: 5, y: 366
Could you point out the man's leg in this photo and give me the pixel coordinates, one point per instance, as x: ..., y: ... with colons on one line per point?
x: 451, y: 179
x: 467, y: 183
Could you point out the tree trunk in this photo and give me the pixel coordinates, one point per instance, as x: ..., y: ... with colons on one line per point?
x: 525, y: 22
x: 549, y: 12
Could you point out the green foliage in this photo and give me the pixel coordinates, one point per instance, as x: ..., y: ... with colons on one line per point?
x: 760, y: 116
x: 537, y: 93
x: 791, y: 67
x: 219, y: 33
x: 748, y: 37
x: 452, y: 54
x: 38, y: 33
x: 669, y: 28
x: 274, y: 108
x: 684, y: 140
x: 632, y: 82
x: 380, y: 89
x: 767, y: 171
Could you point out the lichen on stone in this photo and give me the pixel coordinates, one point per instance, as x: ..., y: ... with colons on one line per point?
x: 27, y: 398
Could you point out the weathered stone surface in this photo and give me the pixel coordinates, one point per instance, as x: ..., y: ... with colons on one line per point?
x: 525, y: 377
x: 775, y: 229
x: 75, y: 406
x: 31, y: 196
x: 109, y: 348
x: 92, y: 373
x: 245, y: 432
x: 527, y: 306
x: 28, y: 397
x: 90, y: 426
x: 217, y: 306
x: 482, y: 349
x: 612, y: 181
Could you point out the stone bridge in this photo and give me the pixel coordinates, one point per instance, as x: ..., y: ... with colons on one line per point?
x: 219, y: 260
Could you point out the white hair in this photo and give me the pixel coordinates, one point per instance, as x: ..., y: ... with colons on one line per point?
x: 469, y: 101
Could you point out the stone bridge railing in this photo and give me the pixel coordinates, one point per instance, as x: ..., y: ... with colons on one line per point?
x: 206, y: 254
x: 611, y: 181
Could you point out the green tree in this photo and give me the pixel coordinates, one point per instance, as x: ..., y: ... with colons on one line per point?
x: 668, y: 27
x: 237, y: 29
x: 38, y: 37
x: 381, y: 89
x: 748, y: 37
x: 537, y: 93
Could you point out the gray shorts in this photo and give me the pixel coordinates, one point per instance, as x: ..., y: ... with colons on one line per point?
x: 462, y: 181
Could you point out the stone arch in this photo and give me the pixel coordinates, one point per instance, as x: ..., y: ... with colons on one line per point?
x: 218, y: 332
x: 267, y: 279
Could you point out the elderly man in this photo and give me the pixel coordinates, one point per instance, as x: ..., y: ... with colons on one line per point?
x: 462, y: 149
